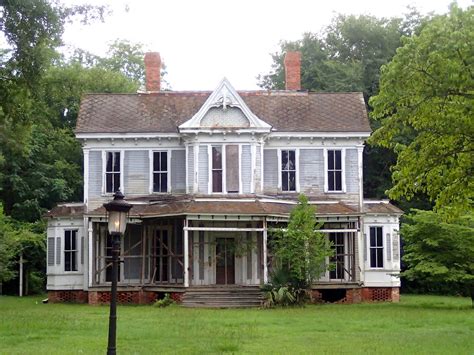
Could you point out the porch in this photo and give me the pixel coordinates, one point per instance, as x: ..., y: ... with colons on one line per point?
x: 178, y: 252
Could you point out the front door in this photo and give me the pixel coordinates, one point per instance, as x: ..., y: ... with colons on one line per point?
x: 225, y: 261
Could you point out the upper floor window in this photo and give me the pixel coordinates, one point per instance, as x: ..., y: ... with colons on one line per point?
x: 376, y: 247
x: 225, y: 168
x: 334, y: 173
x: 160, y: 171
x: 70, y: 250
x: 112, y: 172
x: 288, y: 170
x: 217, y: 169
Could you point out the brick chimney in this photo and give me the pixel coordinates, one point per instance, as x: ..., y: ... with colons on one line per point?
x: 293, y: 70
x: 152, y: 71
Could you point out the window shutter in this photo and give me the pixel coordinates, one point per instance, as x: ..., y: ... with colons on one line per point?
x: 58, y: 251
x: 389, y: 247
x: 82, y: 251
x: 396, y: 246
x: 365, y: 246
x: 50, y: 251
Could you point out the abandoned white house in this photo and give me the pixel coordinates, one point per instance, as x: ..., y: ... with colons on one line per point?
x: 208, y: 173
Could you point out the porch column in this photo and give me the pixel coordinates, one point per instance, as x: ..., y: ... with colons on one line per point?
x: 186, y: 253
x: 264, y: 248
x: 90, y: 258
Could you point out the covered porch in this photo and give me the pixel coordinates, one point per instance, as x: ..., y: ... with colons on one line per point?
x: 212, y: 244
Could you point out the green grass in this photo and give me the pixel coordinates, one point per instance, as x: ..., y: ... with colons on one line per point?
x: 418, y: 324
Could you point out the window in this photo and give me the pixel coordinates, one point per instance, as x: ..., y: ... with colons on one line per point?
x: 160, y: 172
x: 334, y: 170
x: 376, y: 247
x: 225, y: 168
x: 216, y: 169
x: 112, y: 172
x: 70, y: 250
x: 288, y: 170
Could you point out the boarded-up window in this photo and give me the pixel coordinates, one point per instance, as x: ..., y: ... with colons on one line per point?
x: 50, y: 251
x: 232, y: 168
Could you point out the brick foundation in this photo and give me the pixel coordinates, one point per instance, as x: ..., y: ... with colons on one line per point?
x: 69, y: 296
x: 357, y: 295
x: 123, y: 297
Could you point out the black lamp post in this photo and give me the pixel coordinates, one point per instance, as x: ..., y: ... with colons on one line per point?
x: 117, y: 211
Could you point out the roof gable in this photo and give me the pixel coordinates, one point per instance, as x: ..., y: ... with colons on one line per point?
x: 224, y: 109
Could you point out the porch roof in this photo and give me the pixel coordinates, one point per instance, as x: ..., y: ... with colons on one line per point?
x: 222, y: 206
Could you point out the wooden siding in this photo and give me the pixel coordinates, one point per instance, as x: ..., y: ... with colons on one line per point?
x: 178, y: 171
x: 258, y: 169
x: 312, y: 171
x: 190, y: 162
x: 246, y: 169
x: 351, y: 171
x: 270, y: 170
x: 136, y: 172
x: 203, y: 170
x: 95, y: 173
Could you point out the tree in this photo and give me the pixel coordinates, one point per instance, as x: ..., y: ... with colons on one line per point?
x: 425, y: 107
x: 437, y: 251
x: 300, y: 249
x: 347, y: 56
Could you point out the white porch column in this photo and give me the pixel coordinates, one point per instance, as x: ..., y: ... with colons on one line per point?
x: 90, y: 260
x: 265, y: 268
x: 362, y: 250
x: 186, y: 253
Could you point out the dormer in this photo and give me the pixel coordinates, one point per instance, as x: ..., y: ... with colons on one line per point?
x: 224, y: 112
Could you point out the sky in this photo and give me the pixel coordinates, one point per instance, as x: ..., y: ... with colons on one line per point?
x: 202, y: 41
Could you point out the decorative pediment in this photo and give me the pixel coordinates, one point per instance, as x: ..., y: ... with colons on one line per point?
x: 224, y: 109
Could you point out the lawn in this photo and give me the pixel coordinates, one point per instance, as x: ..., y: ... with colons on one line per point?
x: 418, y: 324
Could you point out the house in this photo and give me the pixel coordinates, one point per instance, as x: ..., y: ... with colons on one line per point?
x: 208, y: 173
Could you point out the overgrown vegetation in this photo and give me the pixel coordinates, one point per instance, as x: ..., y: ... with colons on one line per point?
x: 300, y: 254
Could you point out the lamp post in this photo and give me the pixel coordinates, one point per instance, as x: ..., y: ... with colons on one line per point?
x: 117, y: 211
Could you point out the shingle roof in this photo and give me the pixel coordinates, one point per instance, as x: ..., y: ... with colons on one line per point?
x: 187, y: 205
x: 381, y: 207
x: 66, y: 210
x: 286, y: 111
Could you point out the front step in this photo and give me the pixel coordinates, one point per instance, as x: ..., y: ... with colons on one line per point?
x: 223, y: 297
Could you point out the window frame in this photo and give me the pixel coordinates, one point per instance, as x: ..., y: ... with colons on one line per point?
x: 153, y: 172
x: 70, y: 252
x: 223, y: 169
x: 376, y: 247
x: 296, y: 170
x: 342, y: 170
x: 120, y: 172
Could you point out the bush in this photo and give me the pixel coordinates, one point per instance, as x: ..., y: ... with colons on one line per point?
x: 165, y: 301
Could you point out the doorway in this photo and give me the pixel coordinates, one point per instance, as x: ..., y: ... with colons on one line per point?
x: 225, y: 261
